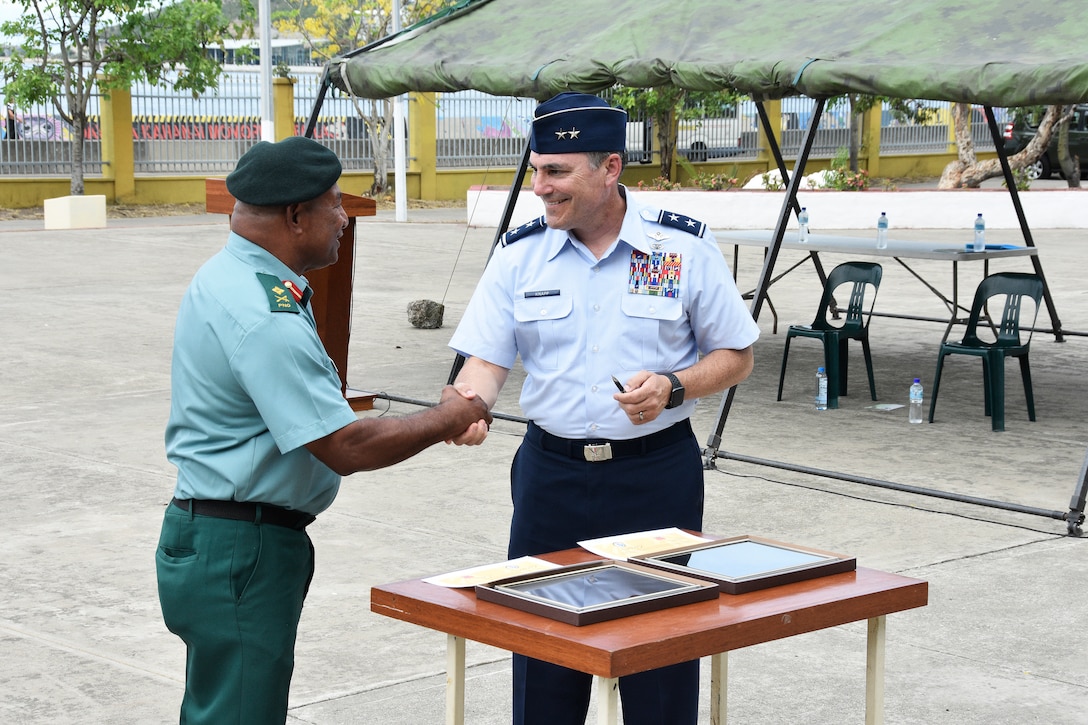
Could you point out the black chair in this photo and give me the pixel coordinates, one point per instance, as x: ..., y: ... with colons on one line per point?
x: 1014, y: 287
x: 836, y: 333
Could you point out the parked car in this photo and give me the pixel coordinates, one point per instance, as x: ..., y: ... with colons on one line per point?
x: 1020, y: 131
x: 696, y: 139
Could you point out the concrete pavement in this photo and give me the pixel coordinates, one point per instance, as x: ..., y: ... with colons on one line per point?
x: 84, y: 480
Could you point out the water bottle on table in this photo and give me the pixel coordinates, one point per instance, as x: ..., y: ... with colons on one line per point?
x: 821, y: 389
x: 980, y: 235
x: 882, y: 231
x: 916, y: 401
x: 802, y: 226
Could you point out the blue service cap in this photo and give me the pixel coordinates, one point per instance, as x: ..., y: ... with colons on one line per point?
x: 578, y: 122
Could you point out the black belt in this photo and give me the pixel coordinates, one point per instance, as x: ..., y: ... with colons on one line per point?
x: 599, y: 450
x: 258, y: 513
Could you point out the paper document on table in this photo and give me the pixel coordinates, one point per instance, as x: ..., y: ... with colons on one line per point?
x: 641, y: 543
x: 491, y: 572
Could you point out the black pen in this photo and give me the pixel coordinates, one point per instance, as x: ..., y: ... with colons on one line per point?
x: 619, y: 385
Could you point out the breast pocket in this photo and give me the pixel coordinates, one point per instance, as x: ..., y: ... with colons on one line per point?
x: 646, y: 317
x: 538, y: 320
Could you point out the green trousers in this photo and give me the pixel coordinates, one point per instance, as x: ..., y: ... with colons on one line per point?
x: 233, y: 592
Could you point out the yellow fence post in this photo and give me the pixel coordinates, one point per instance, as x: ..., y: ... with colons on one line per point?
x: 118, y: 154
x: 422, y: 142
x: 870, y: 137
x: 283, y: 107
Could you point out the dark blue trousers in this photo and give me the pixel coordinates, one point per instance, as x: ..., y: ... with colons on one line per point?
x: 559, y: 501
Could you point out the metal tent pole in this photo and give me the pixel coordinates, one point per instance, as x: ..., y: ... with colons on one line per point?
x: 504, y: 224
x: 789, y: 205
x: 1014, y: 194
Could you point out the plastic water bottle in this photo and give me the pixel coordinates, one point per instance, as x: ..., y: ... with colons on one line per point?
x: 916, y: 401
x: 802, y: 226
x: 882, y: 231
x: 821, y: 389
x: 980, y: 235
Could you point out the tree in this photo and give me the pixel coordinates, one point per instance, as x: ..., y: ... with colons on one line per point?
x: 332, y: 27
x: 665, y: 106
x: 968, y: 172
x: 70, y: 45
x: 1069, y: 163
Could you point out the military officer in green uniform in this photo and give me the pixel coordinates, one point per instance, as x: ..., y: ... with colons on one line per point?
x: 260, y: 434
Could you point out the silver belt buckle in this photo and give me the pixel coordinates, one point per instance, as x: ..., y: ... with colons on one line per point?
x: 597, y: 452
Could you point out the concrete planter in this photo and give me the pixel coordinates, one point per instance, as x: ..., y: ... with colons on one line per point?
x: 921, y: 209
x: 75, y: 212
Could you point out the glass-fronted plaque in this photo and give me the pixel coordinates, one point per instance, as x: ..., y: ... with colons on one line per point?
x: 597, y: 591
x: 746, y: 563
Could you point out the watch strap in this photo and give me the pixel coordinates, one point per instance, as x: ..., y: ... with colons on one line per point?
x: 676, y: 398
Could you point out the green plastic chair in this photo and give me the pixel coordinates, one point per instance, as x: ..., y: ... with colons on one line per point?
x: 836, y: 333
x: 1014, y: 287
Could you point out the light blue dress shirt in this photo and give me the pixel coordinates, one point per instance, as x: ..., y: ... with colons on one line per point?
x: 249, y: 388
x: 575, y: 320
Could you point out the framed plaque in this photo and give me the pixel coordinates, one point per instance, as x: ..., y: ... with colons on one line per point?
x: 745, y: 563
x: 597, y: 591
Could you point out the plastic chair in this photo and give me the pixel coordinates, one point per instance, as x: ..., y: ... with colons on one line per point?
x: 1014, y: 286
x: 835, y: 334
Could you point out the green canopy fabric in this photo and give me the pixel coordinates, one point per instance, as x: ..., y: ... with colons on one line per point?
x: 993, y: 52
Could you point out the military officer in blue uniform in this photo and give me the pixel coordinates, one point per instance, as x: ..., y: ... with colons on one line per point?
x: 601, y: 286
x: 261, y: 434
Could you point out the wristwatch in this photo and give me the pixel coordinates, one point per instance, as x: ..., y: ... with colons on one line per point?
x: 677, y: 395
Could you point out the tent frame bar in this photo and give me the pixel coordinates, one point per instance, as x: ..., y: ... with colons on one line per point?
x: 1074, y: 518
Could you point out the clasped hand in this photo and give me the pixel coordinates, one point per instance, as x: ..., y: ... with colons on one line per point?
x: 476, y: 431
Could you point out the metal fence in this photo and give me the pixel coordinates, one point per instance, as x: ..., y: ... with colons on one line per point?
x: 34, y: 141
x: 179, y: 133
x: 206, y: 134
x: 475, y: 129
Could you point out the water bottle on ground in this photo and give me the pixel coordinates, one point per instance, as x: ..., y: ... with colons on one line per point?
x: 980, y: 235
x: 882, y: 231
x: 916, y: 401
x: 821, y: 389
x: 802, y: 226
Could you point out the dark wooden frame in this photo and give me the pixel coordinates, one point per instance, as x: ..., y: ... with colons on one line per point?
x: 829, y: 563
x: 687, y: 590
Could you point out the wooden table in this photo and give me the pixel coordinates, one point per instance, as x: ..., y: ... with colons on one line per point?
x: 898, y: 249
x: 625, y: 646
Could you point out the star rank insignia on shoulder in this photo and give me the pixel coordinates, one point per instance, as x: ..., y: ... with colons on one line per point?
x: 281, y: 295
x: 679, y: 221
x: 525, y: 230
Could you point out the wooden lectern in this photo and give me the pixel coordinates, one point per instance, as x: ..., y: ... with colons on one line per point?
x: 331, y: 300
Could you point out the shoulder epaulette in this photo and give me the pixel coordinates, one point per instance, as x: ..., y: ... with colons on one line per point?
x: 525, y: 230
x: 280, y: 298
x: 679, y: 221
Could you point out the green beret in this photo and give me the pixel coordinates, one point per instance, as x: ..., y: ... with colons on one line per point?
x: 290, y: 171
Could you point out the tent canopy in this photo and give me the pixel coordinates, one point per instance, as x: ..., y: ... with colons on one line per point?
x: 992, y: 52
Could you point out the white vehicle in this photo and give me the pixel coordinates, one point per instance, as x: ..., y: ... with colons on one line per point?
x: 697, y: 139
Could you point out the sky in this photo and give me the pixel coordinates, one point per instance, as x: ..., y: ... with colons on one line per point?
x: 9, y: 10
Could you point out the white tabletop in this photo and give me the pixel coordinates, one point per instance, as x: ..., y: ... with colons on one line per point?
x: 866, y: 245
